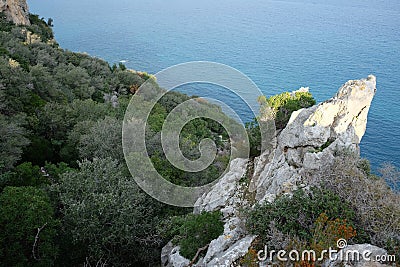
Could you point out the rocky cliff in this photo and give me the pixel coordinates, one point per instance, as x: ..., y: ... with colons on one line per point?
x: 15, y: 11
x: 308, y: 143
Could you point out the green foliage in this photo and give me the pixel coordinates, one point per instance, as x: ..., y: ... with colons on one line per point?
x: 106, y: 214
x: 44, y: 84
x: 365, y: 166
x: 12, y: 141
x: 25, y: 175
x: 254, y: 134
x: 121, y: 66
x: 194, y: 231
x: 190, y: 137
x: 22, y: 211
x: 157, y: 117
x: 54, y: 171
x: 40, y: 27
x: 103, y: 139
x: 296, y: 215
x: 54, y: 109
x: 77, y: 81
x: 279, y: 108
x: 284, y: 104
x: 5, y: 25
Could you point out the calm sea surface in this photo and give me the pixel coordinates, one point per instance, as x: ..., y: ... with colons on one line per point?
x: 280, y: 45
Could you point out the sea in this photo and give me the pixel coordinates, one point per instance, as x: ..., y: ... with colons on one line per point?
x: 281, y: 45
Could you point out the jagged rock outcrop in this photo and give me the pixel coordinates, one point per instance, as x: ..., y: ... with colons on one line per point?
x: 16, y: 11
x: 308, y: 143
x: 312, y: 137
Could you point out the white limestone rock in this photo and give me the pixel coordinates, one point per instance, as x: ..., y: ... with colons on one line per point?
x: 312, y: 137
x: 234, y: 252
x: 172, y: 258
x: 224, y: 189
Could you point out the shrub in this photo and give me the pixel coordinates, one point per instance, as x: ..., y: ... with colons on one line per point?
x: 250, y: 259
x: 196, y: 231
x: 5, y: 25
x: 12, y: 141
x: 254, y: 134
x: 40, y: 27
x: 284, y: 104
x: 327, y: 232
x: 376, y: 205
x: 28, y: 228
x: 278, y: 108
x: 107, y: 216
x: 296, y: 215
x: 27, y: 174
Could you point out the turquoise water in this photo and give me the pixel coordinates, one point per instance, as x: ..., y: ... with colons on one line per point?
x: 280, y: 45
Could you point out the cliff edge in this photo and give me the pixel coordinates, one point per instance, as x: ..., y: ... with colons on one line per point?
x: 307, y: 144
x: 16, y: 11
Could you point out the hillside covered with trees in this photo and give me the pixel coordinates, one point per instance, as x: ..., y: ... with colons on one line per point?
x: 68, y: 199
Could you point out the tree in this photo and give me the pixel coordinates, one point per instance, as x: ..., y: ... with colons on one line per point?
x: 44, y: 84
x: 24, y: 175
x: 14, y: 81
x: 106, y: 212
x: 40, y: 27
x: 76, y: 79
x: 28, y: 228
x: 12, y: 141
x: 103, y: 139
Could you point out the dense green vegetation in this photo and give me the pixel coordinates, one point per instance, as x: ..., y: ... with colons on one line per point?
x: 194, y: 231
x: 61, y: 160
x: 26, y: 213
x: 68, y: 199
x: 296, y: 215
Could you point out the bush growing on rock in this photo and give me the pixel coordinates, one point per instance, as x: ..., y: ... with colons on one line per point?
x: 308, y: 220
x: 376, y: 204
x: 195, y: 231
x: 296, y: 215
x: 278, y: 108
x: 284, y: 104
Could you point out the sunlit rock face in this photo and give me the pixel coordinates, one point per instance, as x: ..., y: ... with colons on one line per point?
x: 312, y: 137
x: 16, y: 11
